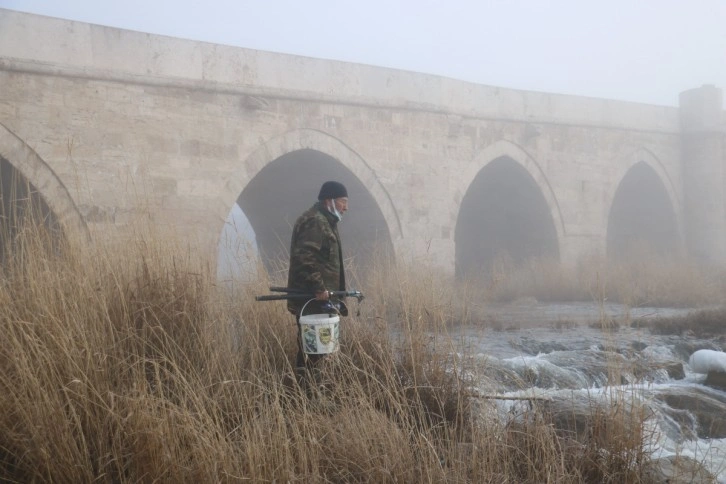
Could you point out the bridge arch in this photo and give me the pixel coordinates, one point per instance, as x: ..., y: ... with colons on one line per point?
x: 284, y: 175
x: 534, y: 207
x: 16, y: 153
x: 644, y: 203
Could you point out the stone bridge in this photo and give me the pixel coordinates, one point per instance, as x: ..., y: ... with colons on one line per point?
x: 109, y: 125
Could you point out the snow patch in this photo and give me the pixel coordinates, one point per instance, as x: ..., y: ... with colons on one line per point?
x: 705, y: 361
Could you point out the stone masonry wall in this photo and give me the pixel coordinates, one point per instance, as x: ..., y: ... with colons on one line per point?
x: 134, y: 123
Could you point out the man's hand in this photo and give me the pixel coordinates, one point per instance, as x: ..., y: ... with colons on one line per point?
x: 322, y: 295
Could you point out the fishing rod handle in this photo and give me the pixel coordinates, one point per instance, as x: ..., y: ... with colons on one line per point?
x: 278, y: 297
x: 288, y: 289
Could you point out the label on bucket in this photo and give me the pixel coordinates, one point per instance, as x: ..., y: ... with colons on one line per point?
x: 320, y: 333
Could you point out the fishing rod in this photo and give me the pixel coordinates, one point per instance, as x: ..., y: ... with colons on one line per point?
x: 293, y: 293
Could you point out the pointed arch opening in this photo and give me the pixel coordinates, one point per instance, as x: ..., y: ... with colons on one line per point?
x: 32, y: 194
x: 642, y: 217
x: 503, y: 214
x: 273, y: 199
x: 23, y: 207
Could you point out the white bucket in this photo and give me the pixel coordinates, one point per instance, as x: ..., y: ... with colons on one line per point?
x: 320, y: 333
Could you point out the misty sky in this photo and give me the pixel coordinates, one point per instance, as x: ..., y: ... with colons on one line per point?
x: 645, y: 51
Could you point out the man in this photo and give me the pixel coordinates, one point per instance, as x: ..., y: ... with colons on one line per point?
x: 316, y: 258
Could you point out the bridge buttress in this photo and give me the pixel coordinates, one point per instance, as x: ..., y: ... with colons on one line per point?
x: 704, y: 173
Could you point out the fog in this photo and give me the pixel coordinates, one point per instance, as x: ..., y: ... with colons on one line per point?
x: 642, y: 217
x: 261, y: 223
x: 646, y: 51
x: 503, y: 217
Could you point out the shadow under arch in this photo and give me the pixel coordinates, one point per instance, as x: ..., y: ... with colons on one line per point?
x: 506, y: 209
x: 643, y: 211
x: 42, y: 181
x: 282, y: 178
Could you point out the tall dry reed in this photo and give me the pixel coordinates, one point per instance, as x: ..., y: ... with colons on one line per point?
x: 128, y: 362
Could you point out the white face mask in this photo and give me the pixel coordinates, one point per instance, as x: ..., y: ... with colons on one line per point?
x: 332, y: 209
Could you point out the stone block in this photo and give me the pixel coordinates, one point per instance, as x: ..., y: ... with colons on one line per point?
x: 716, y: 379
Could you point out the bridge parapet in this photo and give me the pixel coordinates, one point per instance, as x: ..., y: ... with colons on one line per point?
x: 81, y: 50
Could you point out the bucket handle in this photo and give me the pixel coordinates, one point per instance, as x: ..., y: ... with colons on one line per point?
x: 313, y: 299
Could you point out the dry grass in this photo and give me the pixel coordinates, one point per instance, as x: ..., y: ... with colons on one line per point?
x: 645, y: 279
x: 127, y: 363
x: 706, y: 323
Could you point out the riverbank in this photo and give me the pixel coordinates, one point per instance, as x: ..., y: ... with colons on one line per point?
x: 125, y: 362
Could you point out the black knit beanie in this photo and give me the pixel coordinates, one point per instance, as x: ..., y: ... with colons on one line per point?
x: 332, y: 189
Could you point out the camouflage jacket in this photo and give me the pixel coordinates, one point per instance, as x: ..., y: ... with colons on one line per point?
x: 316, y: 256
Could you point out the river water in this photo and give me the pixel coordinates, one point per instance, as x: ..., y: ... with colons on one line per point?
x: 579, y: 353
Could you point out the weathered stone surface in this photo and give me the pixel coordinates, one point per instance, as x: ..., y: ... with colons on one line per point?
x: 677, y: 470
x: 675, y: 370
x: 583, y: 418
x: 105, y: 109
x: 716, y: 379
x: 706, y: 407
